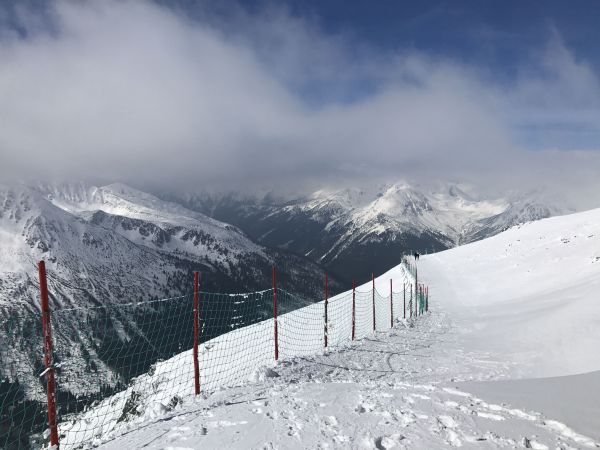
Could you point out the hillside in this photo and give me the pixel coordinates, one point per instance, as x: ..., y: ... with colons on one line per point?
x: 521, y: 304
x: 528, y: 294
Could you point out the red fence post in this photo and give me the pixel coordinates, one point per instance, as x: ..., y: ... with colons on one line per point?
x: 410, y: 302
x: 416, y: 290
x: 196, y: 332
x: 276, y: 336
x: 47, y: 336
x: 373, y: 280
x: 391, y: 305
x: 353, y: 309
x: 326, y: 299
x: 404, y: 301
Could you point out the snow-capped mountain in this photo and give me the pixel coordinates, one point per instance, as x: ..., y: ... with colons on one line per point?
x: 520, y: 210
x: 114, y: 245
x: 350, y: 230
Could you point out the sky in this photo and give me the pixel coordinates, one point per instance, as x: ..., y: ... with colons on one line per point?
x: 300, y: 95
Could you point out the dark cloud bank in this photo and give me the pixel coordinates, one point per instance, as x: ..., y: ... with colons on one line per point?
x: 142, y: 93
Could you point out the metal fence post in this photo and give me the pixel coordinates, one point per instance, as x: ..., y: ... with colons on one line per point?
x: 353, y: 309
x: 410, y: 302
x: 276, y: 336
x: 48, y: 361
x: 391, y: 305
x: 196, y: 332
x: 373, y: 289
x: 404, y: 301
x: 326, y: 300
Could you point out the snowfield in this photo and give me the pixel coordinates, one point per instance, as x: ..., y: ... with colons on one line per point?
x: 530, y: 294
x: 520, y: 305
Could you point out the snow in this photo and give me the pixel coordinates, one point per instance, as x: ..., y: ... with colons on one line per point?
x: 520, y: 304
x: 235, y: 358
x: 571, y: 399
x: 120, y: 200
x: 380, y: 392
x: 440, y: 216
x: 528, y: 294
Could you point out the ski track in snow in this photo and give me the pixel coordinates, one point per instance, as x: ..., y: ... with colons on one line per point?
x: 390, y: 390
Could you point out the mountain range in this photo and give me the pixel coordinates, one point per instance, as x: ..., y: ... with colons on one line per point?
x: 107, y: 248
x: 355, y: 231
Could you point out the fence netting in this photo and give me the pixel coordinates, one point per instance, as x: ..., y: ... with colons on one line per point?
x: 119, y: 365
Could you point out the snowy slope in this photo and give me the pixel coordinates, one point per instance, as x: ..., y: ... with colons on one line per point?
x: 520, y: 304
x: 528, y: 294
x: 233, y: 359
x: 380, y: 393
x: 175, y: 228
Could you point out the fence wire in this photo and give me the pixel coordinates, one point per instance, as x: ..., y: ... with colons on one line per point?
x: 120, y: 365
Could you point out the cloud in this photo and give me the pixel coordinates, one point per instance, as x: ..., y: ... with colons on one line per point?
x: 141, y: 93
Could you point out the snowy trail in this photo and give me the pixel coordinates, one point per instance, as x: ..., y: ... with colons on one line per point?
x: 522, y: 304
x: 391, y: 390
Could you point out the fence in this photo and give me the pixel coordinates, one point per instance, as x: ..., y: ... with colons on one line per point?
x: 108, y: 367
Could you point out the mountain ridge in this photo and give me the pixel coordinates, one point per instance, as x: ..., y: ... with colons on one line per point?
x: 350, y: 228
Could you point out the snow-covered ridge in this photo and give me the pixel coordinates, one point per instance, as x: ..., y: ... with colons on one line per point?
x: 372, y: 225
x: 448, y: 209
x: 123, y: 201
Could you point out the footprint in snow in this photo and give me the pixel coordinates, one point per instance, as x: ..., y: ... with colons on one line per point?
x: 364, y: 407
x: 388, y: 442
x: 341, y: 438
x: 330, y: 421
x: 447, y: 421
x: 452, y: 438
